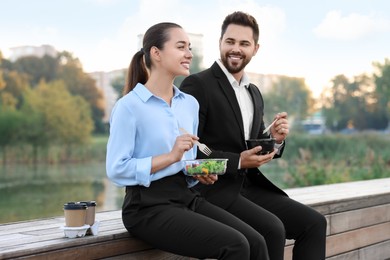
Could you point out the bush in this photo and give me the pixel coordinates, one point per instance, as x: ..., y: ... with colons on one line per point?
x: 314, y: 160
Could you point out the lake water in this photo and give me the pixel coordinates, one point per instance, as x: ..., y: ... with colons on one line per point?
x: 28, y: 192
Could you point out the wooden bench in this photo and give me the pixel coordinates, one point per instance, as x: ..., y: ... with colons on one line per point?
x: 358, y: 215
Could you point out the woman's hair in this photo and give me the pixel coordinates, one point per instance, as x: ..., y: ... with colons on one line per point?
x: 155, y: 36
x: 244, y: 19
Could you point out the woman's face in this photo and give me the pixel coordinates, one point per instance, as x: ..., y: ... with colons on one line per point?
x: 176, y: 55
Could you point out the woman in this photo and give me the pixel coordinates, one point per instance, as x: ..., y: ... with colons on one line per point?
x: 145, y: 152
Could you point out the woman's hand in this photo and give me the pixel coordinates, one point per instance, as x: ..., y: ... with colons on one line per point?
x: 183, y: 144
x: 207, y: 179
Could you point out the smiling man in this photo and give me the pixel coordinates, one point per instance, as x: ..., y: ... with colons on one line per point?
x: 231, y: 111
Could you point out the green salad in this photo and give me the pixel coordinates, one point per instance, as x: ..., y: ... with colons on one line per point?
x: 206, y: 167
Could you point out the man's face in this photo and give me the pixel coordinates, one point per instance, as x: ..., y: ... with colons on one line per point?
x: 237, y: 47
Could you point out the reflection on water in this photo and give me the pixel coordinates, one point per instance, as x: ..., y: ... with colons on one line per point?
x: 30, y: 193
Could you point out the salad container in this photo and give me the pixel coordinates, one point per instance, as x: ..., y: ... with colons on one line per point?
x: 205, y: 166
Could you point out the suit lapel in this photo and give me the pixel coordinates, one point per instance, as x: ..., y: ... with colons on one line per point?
x: 228, y: 91
x: 256, y: 98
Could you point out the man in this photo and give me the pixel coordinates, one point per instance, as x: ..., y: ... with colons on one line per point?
x: 231, y: 111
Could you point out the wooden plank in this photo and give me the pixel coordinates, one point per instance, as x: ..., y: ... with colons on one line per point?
x: 363, y: 251
x: 361, y: 202
x: 49, y: 230
x: 81, y: 251
x: 330, y: 193
x: 51, y: 240
x: 355, y: 219
x: 288, y: 252
x: 353, y: 255
x: 153, y: 254
x: 378, y: 251
x: 363, y: 237
x: 43, y: 238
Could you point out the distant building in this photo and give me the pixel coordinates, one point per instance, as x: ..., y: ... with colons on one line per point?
x: 314, y: 124
x: 103, y: 82
x: 27, y: 50
x: 263, y: 81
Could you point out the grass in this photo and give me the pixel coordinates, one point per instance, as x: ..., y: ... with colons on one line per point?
x: 315, y: 160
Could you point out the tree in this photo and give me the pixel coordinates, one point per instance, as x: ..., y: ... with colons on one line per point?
x: 353, y: 104
x: 11, y: 122
x: 67, y: 68
x: 80, y: 83
x: 288, y: 94
x: 2, y: 82
x: 382, y: 83
x: 58, y: 116
x: 37, y: 68
x: 16, y: 85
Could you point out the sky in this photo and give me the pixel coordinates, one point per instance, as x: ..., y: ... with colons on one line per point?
x: 316, y: 40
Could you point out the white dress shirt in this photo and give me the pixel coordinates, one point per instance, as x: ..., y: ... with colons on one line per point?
x: 245, y: 102
x: 243, y: 97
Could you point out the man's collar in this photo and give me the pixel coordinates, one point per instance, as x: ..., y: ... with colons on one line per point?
x: 244, y: 80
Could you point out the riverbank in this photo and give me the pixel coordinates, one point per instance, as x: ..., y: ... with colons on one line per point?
x: 307, y: 161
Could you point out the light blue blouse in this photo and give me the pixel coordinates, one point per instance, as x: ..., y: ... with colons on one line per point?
x: 143, y: 125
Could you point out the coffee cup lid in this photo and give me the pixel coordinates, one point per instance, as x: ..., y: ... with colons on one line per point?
x: 90, y: 203
x: 75, y: 205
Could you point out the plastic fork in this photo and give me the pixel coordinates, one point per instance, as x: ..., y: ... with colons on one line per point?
x: 202, y: 147
x: 269, y: 127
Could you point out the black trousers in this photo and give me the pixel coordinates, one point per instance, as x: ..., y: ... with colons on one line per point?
x: 277, y: 217
x: 174, y: 218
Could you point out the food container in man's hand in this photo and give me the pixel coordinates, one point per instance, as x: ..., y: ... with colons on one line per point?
x: 205, y: 166
x: 267, y: 145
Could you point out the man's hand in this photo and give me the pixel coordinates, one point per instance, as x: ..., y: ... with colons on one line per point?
x: 280, y: 129
x: 249, y: 158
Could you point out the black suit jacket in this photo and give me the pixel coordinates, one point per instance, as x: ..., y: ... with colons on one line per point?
x: 221, y: 128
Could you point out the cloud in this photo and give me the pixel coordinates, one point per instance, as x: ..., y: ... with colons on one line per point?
x: 350, y: 27
x: 118, y: 50
x: 103, y: 2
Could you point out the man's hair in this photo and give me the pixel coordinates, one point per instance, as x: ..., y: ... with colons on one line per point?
x: 244, y: 19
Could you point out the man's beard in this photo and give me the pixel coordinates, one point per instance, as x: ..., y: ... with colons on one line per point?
x: 234, y: 68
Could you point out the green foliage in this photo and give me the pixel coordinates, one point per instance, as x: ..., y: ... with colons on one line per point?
x: 66, y: 118
x: 10, y: 125
x: 79, y: 83
x: 37, y: 69
x: 11, y: 122
x: 314, y: 160
x: 382, y: 82
x: 288, y: 94
x: 56, y: 153
x: 28, y: 72
x: 16, y: 85
x: 361, y: 103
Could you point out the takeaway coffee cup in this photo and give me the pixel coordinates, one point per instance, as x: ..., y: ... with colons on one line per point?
x: 90, y: 218
x: 75, y: 214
